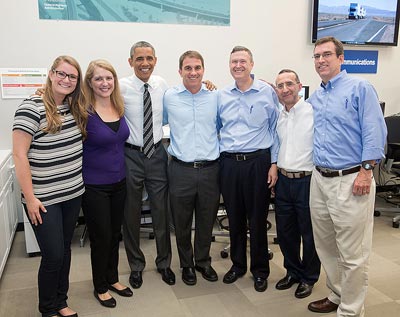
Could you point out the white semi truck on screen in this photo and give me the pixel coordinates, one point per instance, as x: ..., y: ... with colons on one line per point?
x: 357, y: 11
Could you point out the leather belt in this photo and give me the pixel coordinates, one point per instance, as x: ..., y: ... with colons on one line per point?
x: 195, y: 164
x: 140, y: 148
x: 300, y: 174
x: 326, y: 172
x: 244, y: 156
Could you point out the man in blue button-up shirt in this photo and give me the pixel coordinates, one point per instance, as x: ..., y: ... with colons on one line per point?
x: 248, y: 112
x: 349, y: 138
x: 193, y: 173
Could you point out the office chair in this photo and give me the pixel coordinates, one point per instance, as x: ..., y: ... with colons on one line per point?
x: 392, y: 167
x: 223, y: 229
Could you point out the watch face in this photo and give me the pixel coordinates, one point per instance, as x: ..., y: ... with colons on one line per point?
x: 368, y: 166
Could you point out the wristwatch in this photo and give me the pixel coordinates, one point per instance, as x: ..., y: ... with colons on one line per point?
x: 367, y: 166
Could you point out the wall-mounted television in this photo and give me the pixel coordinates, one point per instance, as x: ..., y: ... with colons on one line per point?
x: 368, y: 22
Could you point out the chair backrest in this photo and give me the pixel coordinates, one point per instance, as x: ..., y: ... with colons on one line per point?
x: 393, y: 136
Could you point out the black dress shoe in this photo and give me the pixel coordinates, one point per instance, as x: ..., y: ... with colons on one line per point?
x: 231, y: 277
x: 286, y: 283
x: 207, y: 272
x: 322, y: 306
x: 189, y: 276
x: 110, y: 303
x: 126, y: 292
x: 303, y: 290
x: 135, y: 279
x: 167, y: 275
x: 260, y: 284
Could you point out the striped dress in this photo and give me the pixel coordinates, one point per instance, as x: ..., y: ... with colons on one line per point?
x: 55, y: 159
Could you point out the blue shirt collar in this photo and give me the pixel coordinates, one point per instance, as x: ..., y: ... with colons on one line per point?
x: 256, y: 85
x: 332, y: 82
x: 181, y: 88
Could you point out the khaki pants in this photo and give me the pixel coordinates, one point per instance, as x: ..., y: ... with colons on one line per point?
x: 342, y: 226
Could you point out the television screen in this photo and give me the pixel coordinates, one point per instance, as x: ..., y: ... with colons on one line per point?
x: 369, y: 22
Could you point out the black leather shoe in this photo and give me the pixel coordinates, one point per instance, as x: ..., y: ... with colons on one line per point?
x: 260, y: 284
x: 135, y: 279
x: 189, y: 276
x: 286, y: 283
x: 303, y: 290
x: 322, y: 306
x: 126, y: 292
x: 207, y: 272
x: 167, y: 275
x: 110, y: 303
x: 231, y: 277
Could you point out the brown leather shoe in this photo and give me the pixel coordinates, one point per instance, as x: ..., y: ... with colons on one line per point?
x: 322, y: 306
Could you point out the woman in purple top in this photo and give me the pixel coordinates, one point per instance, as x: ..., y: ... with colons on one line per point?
x: 104, y: 177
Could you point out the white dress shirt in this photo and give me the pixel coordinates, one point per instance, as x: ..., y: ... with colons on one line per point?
x: 132, y: 91
x: 295, y: 129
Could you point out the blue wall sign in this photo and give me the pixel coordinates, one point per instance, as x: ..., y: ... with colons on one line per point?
x: 360, y: 61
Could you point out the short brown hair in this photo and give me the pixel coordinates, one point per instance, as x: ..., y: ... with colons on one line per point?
x: 338, y: 45
x: 190, y: 54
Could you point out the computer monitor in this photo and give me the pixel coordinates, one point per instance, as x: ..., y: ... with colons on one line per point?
x: 382, y: 104
x: 304, y: 92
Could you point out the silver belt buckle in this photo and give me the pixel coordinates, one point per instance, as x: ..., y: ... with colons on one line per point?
x: 325, y: 170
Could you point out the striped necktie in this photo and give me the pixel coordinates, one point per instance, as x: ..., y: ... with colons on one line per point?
x: 148, y: 139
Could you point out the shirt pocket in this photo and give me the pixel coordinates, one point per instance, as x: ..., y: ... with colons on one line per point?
x: 257, y: 116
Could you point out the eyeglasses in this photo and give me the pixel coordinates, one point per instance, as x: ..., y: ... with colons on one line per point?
x: 288, y: 84
x: 63, y: 75
x: 326, y: 55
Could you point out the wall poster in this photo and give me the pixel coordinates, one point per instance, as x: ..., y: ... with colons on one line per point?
x: 203, y: 12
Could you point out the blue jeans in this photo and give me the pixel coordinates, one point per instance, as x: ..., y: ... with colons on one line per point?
x: 54, y: 237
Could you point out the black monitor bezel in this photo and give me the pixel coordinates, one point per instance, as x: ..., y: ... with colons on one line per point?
x: 314, y: 29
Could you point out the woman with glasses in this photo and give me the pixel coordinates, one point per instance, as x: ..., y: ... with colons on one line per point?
x: 104, y: 178
x: 47, y: 148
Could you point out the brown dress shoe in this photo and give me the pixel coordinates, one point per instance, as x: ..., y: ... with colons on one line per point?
x: 322, y: 306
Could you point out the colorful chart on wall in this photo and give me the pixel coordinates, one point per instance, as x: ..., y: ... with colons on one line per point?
x: 21, y: 82
x: 204, y: 12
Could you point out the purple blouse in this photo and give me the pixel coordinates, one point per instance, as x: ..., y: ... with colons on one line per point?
x: 103, y: 152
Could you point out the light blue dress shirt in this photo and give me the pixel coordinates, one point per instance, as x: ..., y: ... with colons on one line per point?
x: 192, y: 120
x: 247, y: 120
x: 348, y: 123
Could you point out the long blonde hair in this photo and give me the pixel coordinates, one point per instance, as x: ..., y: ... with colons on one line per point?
x: 116, y: 98
x: 76, y: 100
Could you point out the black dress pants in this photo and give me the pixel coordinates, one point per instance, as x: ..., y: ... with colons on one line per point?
x: 246, y: 197
x: 103, y: 207
x: 293, y: 225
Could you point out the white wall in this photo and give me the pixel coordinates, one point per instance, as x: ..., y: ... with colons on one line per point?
x: 278, y: 33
